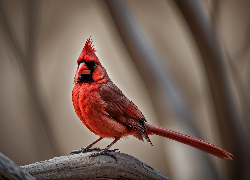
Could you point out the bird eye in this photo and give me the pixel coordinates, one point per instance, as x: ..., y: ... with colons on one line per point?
x: 91, y: 64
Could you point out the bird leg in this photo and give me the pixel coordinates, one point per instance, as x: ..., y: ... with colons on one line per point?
x: 106, y: 150
x: 87, y: 148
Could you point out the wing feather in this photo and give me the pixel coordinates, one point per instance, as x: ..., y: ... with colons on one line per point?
x: 121, y: 109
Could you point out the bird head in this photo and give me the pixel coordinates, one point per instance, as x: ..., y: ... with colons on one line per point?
x: 89, y: 67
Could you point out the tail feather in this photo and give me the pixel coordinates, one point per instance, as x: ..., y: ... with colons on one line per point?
x: 189, y: 140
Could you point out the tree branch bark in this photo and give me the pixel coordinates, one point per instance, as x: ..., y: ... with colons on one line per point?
x: 9, y: 170
x: 82, y: 166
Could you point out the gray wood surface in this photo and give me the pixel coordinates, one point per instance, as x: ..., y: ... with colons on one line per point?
x: 10, y: 171
x: 82, y: 166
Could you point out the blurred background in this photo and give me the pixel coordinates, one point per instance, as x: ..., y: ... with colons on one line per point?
x: 185, y: 64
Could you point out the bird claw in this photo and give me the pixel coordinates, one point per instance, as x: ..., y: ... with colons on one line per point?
x: 105, y: 152
x: 84, y: 150
x: 75, y: 152
x: 90, y: 150
x: 113, y: 150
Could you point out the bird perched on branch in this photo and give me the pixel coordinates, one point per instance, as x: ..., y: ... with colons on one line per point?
x: 108, y: 113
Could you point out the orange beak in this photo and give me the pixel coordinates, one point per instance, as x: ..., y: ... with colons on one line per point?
x: 83, y: 69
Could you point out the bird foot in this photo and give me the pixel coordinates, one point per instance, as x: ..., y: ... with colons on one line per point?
x: 105, y: 152
x: 113, y: 150
x: 83, y: 150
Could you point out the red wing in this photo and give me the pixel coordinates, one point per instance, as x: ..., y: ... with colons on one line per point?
x: 118, y: 104
x: 121, y: 109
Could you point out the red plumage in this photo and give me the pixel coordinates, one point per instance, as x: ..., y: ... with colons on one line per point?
x: 108, y: 113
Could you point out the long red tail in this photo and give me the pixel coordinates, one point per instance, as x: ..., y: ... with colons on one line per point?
x: 189, y: 140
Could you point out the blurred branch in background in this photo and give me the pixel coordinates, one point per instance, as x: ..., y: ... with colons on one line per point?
x: 238, y: 63
x: 43, y: 136
x: 164, y: 92
x: 227, y: 116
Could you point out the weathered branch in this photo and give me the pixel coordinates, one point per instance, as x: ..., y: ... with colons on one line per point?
x: 9, y: 170
x: 82, y: 166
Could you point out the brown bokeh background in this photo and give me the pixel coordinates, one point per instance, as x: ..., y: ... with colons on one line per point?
x: 152, y: 52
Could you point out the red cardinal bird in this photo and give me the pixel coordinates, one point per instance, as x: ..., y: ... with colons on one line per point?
x: 108, y: 113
